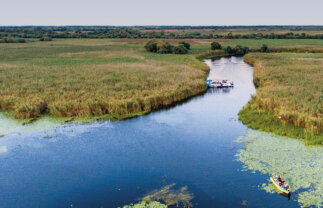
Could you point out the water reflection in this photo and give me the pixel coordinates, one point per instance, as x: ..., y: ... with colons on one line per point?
x: 220, y: 90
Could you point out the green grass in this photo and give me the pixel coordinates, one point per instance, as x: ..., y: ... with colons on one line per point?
x: 93, y: 78
x: 307, y: 43
x: 289, y: 99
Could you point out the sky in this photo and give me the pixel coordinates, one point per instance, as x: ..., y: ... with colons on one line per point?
x: 161, y: 12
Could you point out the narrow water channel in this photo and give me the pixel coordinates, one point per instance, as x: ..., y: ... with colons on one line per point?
x: 112, y: 164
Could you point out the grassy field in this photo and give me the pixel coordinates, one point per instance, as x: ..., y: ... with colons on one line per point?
x: 200, y: 46
x: 87, y: 78
x: 289, y: 99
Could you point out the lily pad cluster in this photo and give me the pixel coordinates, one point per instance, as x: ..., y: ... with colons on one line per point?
x: 143, y: 204
x: 164, y: 197
x: 300, y: 165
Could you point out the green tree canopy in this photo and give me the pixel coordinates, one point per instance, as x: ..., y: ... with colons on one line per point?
x: 215, y: 45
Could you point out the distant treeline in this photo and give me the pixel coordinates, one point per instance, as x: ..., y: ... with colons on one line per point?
x: 162, y: 32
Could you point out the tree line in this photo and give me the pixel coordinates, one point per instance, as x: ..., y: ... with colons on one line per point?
x: 164, y: 47
x: 47, y: 33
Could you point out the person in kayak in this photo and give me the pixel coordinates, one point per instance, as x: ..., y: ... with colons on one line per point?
x: 280, y: 180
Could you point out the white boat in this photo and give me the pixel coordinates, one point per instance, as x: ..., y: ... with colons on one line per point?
x: 227, y: 83
x: 217, y: 83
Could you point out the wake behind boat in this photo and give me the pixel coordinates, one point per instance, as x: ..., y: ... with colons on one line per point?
x: 280, y: 184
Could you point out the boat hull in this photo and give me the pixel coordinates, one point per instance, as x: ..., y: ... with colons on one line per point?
x: 279, y: 188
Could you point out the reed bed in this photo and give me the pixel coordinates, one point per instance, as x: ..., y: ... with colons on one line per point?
x: 87, y: 78
x: 289, y: 99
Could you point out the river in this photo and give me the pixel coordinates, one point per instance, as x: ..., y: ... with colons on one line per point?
x: 112, y: 164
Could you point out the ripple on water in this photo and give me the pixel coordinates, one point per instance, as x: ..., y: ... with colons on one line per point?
x: 300, y: 165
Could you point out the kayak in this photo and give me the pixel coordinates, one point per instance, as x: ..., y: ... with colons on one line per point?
x: 283, y: 189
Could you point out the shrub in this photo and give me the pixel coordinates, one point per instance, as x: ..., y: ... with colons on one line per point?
x: 240, y: 50
x: 151, y: 46
x: 264, y: 48
x: 12, y: 40
x: 45, y: 38
x: 229, y: 50
x: 215, y: 45
x: 186, y: 45
x: 164, y: 47
x: 180, y: 49
x: 237, y: 51
x: 21, y: 40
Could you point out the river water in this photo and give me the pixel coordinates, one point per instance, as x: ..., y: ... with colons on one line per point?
x: 112, y: 164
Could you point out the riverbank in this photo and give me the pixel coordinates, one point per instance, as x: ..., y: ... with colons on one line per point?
x: 289, y: 95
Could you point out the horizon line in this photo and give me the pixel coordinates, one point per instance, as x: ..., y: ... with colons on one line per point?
x: 76, y: 25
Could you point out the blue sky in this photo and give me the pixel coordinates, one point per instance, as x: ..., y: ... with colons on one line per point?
x: 161, y: 12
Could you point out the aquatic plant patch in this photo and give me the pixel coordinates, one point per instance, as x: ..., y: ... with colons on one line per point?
x: 143, y: 204
x: 9, y: 125
x: 3, y: 149
x: 170, y: 196
x: 300, y: 165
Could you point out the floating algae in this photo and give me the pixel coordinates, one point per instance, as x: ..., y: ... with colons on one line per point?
x: 9, y: 125
x: 301, y: 166
x: 170, y: 197
x: 3, y: 149
x: 143, y: 204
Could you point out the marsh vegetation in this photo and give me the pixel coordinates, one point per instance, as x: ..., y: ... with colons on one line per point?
x: 93, y: 78
x: 289, y: 95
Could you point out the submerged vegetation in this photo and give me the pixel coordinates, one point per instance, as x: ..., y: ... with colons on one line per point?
x: 93, y: 78
x: 164, y: 197
x: 289, y: 99
x: 300, y: 165
x: 143, y: 204
x: 171, y: 197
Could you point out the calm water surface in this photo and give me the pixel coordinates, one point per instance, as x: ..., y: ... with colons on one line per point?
x: 114, y: 163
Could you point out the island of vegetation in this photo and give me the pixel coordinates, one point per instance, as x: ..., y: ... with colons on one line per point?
x: 68, y: 72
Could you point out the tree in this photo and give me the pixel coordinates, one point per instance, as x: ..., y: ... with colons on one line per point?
x: 180, y: 49
x: 215, y: 45
x: 264, y: 48
x: 164, y: 47
x: 186, y: 45
x: 237, y: 51
x: 229, y: 50
x: 240, y: 50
